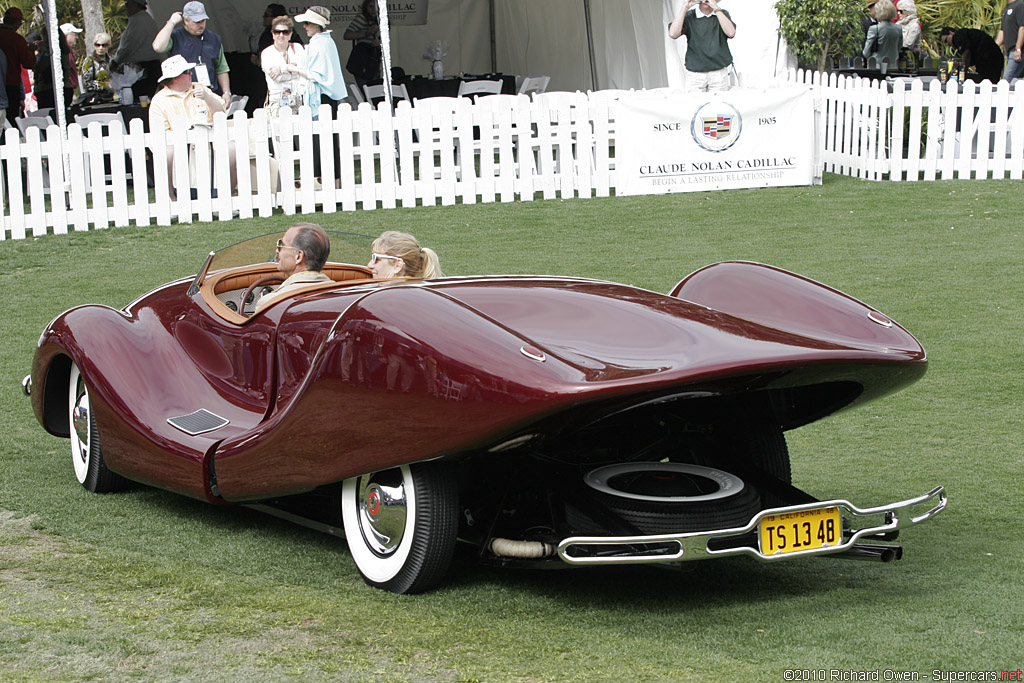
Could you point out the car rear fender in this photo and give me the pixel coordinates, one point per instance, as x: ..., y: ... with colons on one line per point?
x: 786, y: 301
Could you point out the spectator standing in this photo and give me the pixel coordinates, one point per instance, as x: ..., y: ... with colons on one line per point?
x: 910, y: 23
x: 708, y: 30
x: 198, y: 46
x: 885, y: 39
x: 364, y: 60
x: 71, y: 84
x: 42, y: 74
x: 96, y: 69
x: 135, y: 48
x: 976, y: 48
x: 284, y: 89
x: 325, y: 82
x: 19, y: 56
x: 1011, y: 39
x: 266, y: 39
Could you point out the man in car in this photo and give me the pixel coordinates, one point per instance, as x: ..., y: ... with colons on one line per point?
x: 301, y: 255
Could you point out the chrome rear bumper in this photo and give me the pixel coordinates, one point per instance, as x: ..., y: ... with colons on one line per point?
x: 665, y: 548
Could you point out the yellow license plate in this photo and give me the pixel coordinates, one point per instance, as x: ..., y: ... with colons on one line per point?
x: 791, y: 532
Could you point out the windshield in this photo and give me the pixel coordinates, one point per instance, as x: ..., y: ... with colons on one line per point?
x: 346, y: 247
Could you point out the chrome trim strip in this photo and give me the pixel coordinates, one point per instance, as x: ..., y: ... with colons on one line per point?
x: 694, y: 545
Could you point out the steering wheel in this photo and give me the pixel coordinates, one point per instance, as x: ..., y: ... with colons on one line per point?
x: 262, y: 282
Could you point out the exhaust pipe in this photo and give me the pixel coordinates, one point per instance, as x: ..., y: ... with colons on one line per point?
x: 864, y: 551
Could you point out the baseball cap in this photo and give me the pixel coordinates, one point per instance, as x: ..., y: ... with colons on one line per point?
x: 195, y: 11
x: 69, y: 28
x: 14, y: 13
x: 174, y: 66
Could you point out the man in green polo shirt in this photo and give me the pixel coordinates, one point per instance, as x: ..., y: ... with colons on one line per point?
x: 708, y: 29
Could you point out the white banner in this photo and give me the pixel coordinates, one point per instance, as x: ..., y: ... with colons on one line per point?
x: 411, y: 13
x: 687, y: 142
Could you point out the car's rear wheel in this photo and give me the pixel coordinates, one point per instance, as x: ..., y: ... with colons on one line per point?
x: 86, y: 454
x: 401, y: 525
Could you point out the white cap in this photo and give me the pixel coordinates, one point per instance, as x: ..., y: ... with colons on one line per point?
x: 317, y: 14
x: 69, y: 28
x: 174, y: 66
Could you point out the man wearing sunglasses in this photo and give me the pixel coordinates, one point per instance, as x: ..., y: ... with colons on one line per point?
x: 300, y: 256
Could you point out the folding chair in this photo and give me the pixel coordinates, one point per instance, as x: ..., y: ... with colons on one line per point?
x: 536, y: 84
x: 471, y: 88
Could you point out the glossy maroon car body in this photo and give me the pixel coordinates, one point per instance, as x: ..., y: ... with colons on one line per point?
x: 360, y: 375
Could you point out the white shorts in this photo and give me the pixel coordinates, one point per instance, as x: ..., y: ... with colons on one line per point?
x: 708, y: 81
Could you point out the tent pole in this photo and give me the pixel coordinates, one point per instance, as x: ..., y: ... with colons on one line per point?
x: 385, y: 48
x: 494, y: 47
x: 590, y: 45
x: 54, y: 35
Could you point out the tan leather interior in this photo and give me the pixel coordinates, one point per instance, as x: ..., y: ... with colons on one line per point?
x: 231, y: 280
x: 241, y: 278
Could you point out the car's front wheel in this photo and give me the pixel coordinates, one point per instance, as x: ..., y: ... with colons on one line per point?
x: 86, y: 455
x: 401, y: 525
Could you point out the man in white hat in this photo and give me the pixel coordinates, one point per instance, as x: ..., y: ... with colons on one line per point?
x: 197, y: 45
x: 181, y: 104
x: 70, y: 33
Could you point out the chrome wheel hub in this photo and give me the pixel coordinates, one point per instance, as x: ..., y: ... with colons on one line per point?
x: 80, y: 420
x: 383, y: 511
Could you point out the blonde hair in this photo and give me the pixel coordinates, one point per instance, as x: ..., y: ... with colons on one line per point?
x: 884, y: 10
x: 420, y: 262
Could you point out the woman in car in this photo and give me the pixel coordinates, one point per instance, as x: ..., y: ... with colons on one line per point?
x: 398, y: 254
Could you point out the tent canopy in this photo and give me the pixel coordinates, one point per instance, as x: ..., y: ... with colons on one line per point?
x: 536, y: 37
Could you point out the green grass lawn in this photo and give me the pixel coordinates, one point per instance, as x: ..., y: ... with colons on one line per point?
x: 151, y: 586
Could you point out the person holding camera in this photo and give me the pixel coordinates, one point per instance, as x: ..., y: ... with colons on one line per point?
x: 708, y: 30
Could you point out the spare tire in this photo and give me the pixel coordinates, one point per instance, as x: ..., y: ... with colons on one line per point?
x: 671, y: 497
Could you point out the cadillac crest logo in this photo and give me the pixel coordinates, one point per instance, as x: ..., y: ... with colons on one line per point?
x: 716, y: 126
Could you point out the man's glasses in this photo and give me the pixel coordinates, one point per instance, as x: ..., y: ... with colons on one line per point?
x: 281, y: 245
x: 281, y: 31
x: 374, y: 257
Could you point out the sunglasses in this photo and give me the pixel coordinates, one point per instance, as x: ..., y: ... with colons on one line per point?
x: 374, y: 257
x: 282, y: 245
x: 101, y: 44
x: 281, y: 32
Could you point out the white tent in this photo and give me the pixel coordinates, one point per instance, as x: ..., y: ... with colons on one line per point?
x: 628, y: 38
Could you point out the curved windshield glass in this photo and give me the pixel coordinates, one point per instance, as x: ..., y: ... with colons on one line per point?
x: 346, y: 247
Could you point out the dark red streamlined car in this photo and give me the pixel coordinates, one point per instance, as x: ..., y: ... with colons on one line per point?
x: 540, y: 419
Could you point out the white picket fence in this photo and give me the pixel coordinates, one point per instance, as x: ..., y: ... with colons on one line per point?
x: 901, y: 130
x: 450, y: 150
x: 442, y: 151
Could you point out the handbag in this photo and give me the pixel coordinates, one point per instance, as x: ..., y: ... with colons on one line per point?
x: 364, y: 61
